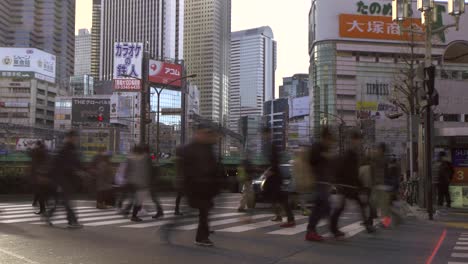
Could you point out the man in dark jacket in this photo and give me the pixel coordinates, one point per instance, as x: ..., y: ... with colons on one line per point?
x: 38, y: 173
x: 444, y: 175
x: 320, y: 163
x: 348, y: 184
x: 66, y: 165
x: 201, y: 180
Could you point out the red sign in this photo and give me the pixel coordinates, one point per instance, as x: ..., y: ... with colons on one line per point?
x: 127, y: 84
x: 460, y: 175
x: 165, y: 73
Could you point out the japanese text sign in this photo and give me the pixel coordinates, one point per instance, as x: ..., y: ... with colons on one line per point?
x: 376, y: 27
x: 165, y: 73
x: 128, y: 58
x: 127, y: 84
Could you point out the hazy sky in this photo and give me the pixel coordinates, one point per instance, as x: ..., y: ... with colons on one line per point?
x: 288, y: 21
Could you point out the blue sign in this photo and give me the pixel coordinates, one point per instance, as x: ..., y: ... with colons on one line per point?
x: 460, y: 157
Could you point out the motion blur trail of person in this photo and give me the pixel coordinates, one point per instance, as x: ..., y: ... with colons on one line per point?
x: 38, y: 174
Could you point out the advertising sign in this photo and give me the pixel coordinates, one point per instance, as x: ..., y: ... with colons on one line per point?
x: 86, y: 111
x: 14, y: 104
x: 127, y: 85
x: 460, y: 157
x: 128, y: 58
x: 376, y: 27
x: 161, y: 72
x: 25, y: 144
x: 27, y: 60
x: 460, y: 175
x: 299, y: 106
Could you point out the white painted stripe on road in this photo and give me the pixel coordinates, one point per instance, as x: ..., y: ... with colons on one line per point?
x: 459, y: 255
x: 56, y: 216
x: 28, y: 261
x: 451, y: 262
x: 296, y: 230
x: 460, y: 248
x: 463, y: 238
x: 15, y: 206
x: 177, y: 221
x: 88, y: 219
x: 248, y: 227
x: 349, y: 230
x: 462, y: 243
x: 78, y: 209
x: 113, y: 222
x: 31, y: 210
x: 224, y: 222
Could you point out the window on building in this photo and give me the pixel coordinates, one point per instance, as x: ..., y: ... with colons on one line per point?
x: 67, y: 117
x: 444, y: 74
x: 451, y: 117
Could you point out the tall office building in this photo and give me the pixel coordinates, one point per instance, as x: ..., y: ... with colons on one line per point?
x: 295, y: 86
x: 207, y: 45
x: 253, y: 65
x: 48, y: 25
x: 156, y: 23
x: 95, y: 39
x: 83, y: 52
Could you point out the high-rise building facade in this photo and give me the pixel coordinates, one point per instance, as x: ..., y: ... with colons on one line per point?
x: 83, y: 52
x: 207, y: 45
x: 158, y: 24
x: 95, y: 39
x: 253, y: 65
x: 48, y: 25
x: 295, y: 86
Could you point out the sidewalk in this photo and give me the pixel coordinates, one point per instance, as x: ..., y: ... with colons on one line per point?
x: 452, y: 217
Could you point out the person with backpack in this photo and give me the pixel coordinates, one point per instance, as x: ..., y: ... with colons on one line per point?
x: 444, y: 176
x: 200, y: 172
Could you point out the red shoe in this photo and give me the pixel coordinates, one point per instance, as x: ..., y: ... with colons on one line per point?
x: 313, y: 236
x: 387, y: 222
x: 289, y: 224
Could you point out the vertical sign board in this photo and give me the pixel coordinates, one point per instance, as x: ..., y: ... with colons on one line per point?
x: 128, y: 61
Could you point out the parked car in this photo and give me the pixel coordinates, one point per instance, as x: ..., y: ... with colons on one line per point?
x: 286, y: 186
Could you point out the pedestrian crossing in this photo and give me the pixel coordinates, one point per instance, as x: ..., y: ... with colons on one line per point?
x: 220, y: 220
x: 460, y: 250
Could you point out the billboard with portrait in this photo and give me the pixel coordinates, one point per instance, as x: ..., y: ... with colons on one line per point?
x: 161, y: 72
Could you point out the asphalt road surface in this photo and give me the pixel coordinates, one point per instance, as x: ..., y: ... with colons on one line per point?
x: 109, y: 238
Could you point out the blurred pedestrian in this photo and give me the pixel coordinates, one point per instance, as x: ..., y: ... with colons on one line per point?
x: 348, y: 184
x: 101, y: 169
x: 245, y: 176
x: 201, y: 177
x: 304, y: 177
x: 320, y: 162
x: 38, y: 175
x: 65, y: 175
x: 444, y: 176
x: 272, y: 185
x: 154, y: 176
x: 383, y: 189
x: 121, y: 186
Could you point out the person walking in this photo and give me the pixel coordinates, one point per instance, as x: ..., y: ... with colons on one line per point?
x: 65, y: 177
x: 348, y: 184
x: 272, y: 190
x: 38, y: 175
x: 101, y: 169
x: 444, y: 176
x: 245, y: 175
x: 383, y: 189
x: 304, y: 178
x: 320, y: 162
x: 201, y: 177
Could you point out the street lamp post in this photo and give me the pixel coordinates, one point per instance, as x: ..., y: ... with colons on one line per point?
x: 400, y: 12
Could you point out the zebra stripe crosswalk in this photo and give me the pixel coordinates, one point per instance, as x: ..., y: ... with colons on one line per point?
x: 220, y: 220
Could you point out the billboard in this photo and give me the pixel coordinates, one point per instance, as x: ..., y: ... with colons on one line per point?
x: 161, y: 72
x: 26, y: 144
x: 86, y: 111
x: 127, y: 84
x: 17, y: 61
x: 299, y: 106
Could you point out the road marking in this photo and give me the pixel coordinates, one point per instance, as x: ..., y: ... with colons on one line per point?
x: 15, y: 206
x: 55, y: 216
x: 32, y: 210
x: 296, y: 230
x: 9, y: 216
x: 349, y: 230
x: 460, y: 248
x: 224, y: 222
x: 18, y: 256
x: 87, y: 219
x: 248, y: 227
x: 437, y: 247
x: 451, y: 262
x: 176, y: 221
x: 463, y: 238
x: 462, y: 243
x: 459, y: 255
x: 112, y: 222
